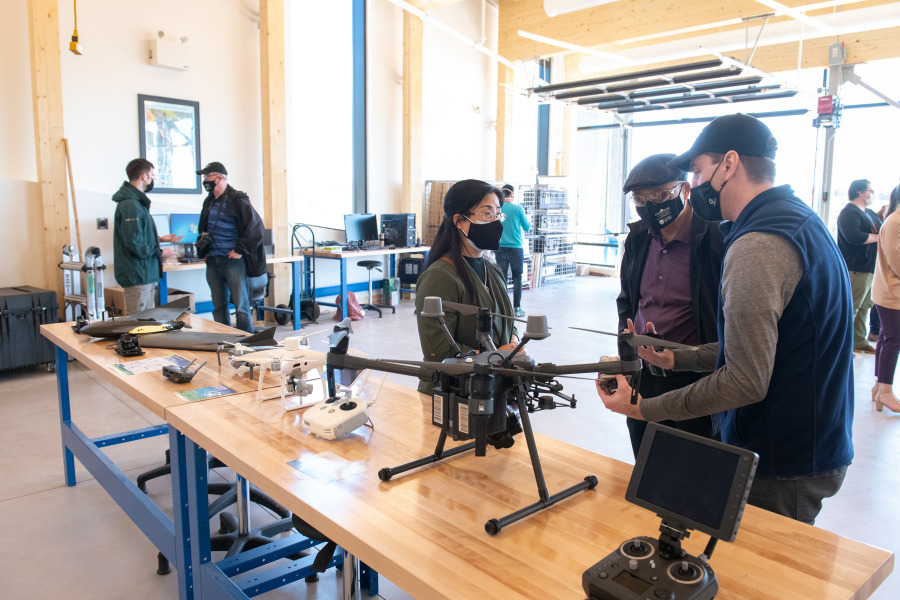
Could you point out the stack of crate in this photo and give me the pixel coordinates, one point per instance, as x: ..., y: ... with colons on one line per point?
x: 553, y: 244
x: 434, y: 208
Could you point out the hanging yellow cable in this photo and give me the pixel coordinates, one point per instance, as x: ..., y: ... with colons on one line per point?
x: 74, y: 46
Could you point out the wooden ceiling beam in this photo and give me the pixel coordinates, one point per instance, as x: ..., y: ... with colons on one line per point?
x: 603, y: 27
x: 862, y: 47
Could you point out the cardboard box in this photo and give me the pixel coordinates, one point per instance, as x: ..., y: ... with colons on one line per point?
x: 175, y: 294
x: 115, y: 300
x: 115, y: 296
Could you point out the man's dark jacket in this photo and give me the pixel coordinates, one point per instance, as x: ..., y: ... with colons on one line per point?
x: 707, y: 253
x: 136, y: 250
x: 854, y: 227
x: 250, y: 227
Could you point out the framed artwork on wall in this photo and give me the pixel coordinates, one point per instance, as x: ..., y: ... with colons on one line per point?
x: 170, y: 139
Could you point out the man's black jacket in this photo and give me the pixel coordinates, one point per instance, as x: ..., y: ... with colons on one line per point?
x: 707, y: 253
x: 250, y: 227
x: 854, y: 227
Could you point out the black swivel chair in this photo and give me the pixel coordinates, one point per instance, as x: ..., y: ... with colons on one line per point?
x: 374, y: 264
x: 230, y: 538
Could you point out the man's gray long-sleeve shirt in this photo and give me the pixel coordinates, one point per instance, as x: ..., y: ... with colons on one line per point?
x: 759, y: 276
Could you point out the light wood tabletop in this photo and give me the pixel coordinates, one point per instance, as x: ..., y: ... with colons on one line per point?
x: 322, y: 253
x: 172, y: 264
x: 152, y: 390
x: 424, y: 530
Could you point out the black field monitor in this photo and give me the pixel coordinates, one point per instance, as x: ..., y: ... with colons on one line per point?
x: 692, y: 481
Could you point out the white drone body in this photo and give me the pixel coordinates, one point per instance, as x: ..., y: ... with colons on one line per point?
x: 298, y: 369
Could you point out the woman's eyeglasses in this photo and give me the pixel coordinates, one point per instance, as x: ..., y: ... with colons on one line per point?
x: 489, y: 216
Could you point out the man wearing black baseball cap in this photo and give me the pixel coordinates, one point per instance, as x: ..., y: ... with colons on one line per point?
x: 783, y: 376
x: 669, y: 279
x: 231, y: 241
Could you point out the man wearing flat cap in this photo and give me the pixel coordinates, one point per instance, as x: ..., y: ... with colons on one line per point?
x: 783, y: 377
x: 670, y: 279
x: 231, y: 241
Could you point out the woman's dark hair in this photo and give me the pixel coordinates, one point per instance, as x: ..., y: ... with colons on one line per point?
x: 894, y: 201
x: 460, y: 199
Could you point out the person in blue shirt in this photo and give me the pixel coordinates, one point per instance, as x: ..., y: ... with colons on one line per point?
x: 231, y: 241
x: 511, y: 255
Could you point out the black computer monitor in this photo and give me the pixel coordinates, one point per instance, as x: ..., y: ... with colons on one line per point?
x: 361, y: 228
x: 186, y: 226
x: 692, y: 481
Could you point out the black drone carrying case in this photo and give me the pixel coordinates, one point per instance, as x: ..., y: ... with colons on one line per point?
x: 23, y: 309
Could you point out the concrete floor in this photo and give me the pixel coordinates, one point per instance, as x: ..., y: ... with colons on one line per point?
x: 74, y: 542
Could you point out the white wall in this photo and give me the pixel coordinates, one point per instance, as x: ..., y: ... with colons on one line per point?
x: 100, y: 90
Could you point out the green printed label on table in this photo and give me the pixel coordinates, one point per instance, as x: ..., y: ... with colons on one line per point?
x: 205, y: 393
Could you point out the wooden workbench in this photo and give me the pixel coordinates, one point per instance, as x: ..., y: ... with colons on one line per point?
x: 424, y: 530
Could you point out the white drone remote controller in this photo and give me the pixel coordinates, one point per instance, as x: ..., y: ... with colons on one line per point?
x: 335, y: 417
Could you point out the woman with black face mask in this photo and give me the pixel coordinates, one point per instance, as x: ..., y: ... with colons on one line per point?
x: 457, y: 271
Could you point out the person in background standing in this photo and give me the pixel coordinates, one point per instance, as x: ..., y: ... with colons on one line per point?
x: 858, y: 242
x: 511, y: 255
x: 886, y: 294
x: 231, y: 240
x: 136, y: 253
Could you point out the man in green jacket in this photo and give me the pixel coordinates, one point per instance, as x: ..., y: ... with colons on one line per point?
x: 137, y: 256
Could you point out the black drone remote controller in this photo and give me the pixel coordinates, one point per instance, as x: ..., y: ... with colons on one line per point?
x: 636, y: 571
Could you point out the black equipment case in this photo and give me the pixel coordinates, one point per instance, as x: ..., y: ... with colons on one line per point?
x: 23, y: 309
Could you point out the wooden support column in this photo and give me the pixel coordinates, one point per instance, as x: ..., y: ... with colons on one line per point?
x: 46, y: 88
x: 504, y: 117
x: 412, y: 189
x: 274, y: 139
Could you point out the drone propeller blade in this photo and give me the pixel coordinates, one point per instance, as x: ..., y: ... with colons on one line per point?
x: 463, y: 309
x: 635, y: 339
x: 646, y: 340
x: 471, y: 309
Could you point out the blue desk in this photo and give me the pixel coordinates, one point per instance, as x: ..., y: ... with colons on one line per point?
x: 344, y: 255
x: 172, y: 265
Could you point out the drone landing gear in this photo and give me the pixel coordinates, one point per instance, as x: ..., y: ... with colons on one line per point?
x: 493, y: 526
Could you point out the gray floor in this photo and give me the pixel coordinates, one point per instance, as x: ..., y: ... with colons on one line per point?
x: 62, y: 542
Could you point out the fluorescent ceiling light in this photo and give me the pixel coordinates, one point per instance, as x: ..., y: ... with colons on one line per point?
x: 554, y: 8
x: 576, y: 48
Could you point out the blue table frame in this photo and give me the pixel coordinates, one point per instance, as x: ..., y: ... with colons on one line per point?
x: 170, y: 536
x: 361, y: 254
x: 185, y: 539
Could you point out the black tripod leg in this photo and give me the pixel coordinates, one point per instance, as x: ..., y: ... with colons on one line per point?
x: 494, y: 526
x: 386, y: 473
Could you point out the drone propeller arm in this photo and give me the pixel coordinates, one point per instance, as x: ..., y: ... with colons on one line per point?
x: 611, y: 367
x: 358, y: 363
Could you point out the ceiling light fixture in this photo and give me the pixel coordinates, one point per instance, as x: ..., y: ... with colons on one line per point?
x: 576, y: 48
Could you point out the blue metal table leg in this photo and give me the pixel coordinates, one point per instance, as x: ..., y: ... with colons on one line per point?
x: 197, y: 509
x: 295, y: 283
x: 65, y: 412
x: 181, y: 514
x: 163, y: 289
x: 343, y: 288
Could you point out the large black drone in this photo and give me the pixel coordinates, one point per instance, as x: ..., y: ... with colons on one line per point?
x: 486, y: 396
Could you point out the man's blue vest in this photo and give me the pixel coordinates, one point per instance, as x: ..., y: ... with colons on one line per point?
x: 804, y: 424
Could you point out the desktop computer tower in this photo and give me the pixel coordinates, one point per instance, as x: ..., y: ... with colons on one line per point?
x: 399, y: 229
